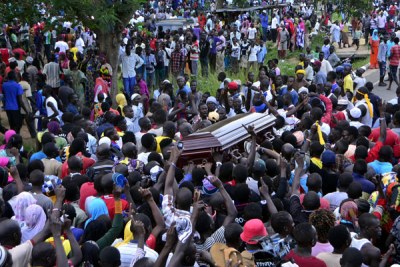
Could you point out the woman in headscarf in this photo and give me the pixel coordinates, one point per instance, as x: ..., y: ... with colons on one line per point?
x: 349, y: 214
x: 35, y: 219
x: 374, y: 43
x: 121, y: 102
x: 12, y: 149
x: 7, y: 137
x: 19, y: 205
x: 95, y: 208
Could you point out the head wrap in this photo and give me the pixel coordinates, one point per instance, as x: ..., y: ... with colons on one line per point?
x: 53, y: 127
x: 22, y: 201
x: 96, y: 208
x: 212, y: 100
x: 35, y: 219
x: 349, y: 211
x: 301, y: 71
x: 7, y: 136
x: 370, y: 108
x: 375, y: 36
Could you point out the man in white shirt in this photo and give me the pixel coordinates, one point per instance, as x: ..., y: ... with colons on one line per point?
x: 325, y: 65
x: 252, y: 32
x: 79, y: 43
x: 274, y: 28
x: 63, y: 46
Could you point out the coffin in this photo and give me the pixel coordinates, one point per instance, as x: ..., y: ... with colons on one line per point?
x: 200, y: 145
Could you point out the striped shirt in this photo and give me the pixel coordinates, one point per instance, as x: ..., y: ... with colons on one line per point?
x: 52, y: 71
x: 395, y: 55
x: 171, y: 214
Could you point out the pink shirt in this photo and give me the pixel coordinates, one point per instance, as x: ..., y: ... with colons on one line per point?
x: 321, y: 247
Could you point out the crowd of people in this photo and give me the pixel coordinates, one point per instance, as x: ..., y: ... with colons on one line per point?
x: 107, y: 185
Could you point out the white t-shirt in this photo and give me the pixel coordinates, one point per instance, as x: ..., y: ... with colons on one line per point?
x: 49, y: 110
x: 80, y: 44
x: 274, y: 23
x: 252, y: 33
x: 253, y: 53
x: 62, y: 45
x: 335, y: 198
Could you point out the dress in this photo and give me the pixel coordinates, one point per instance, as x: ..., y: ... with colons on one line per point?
x: 300, y: 37
x: 373, y: 61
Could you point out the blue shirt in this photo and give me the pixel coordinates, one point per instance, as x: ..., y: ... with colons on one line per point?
x: 41, y: 155
x: 264, y: 20
x: 366, y: 185
x: 381, y: 167
x: 11, y: 91
x: 261, y: 54
x: 72, y: 108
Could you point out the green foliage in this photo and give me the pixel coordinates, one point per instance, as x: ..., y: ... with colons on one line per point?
x: 24, y: 10
x: 356, y: 8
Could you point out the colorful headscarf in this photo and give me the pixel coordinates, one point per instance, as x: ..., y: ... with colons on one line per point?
x: 35, y: 219
x: 121, y: 101
x: 96, y: 208
x: 375, y: 36
x: 349, y: 211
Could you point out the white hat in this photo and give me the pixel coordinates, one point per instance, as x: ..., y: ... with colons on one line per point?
x: 134, y: 96
x: 303, y: 90
x: 105, y: 140
x: 355, y: 113
x: 12, y: 59
x: 264, y: 11
x: 125, y: 40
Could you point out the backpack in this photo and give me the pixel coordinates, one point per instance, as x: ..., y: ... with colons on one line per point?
x: 221, y: 253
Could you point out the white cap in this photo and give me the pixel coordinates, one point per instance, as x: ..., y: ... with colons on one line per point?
x: 303, y: 90
x: 134, y: 96
x: 355, y: 113
x: 12, y: 59
x: 105, y: 140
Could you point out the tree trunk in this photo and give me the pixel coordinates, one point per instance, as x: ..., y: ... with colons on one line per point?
x: 108, y: 44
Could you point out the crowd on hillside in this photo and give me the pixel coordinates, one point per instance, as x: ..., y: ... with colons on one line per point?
x: 107, y: 186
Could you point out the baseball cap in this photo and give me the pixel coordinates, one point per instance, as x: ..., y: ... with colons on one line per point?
x: 355, y: 113
x: 328, y: 157
x: 253, y: 229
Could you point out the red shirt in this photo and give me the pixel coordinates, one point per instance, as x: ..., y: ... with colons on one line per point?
x: 324, y: 204
x: 5, y: 55
x: 87, y: 190
x: 87, y: 162
x: 305, y: 261
x: 392, y: 139
x: 394, y: 55
x: 110, y: 203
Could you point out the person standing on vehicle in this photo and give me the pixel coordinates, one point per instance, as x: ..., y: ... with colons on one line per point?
x: 382, y: 53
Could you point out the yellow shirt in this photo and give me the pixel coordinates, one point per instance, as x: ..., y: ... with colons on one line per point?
x: 158, y: 140
x: 348, y: 84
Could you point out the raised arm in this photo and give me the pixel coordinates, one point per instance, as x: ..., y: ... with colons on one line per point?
x: 169, y: 245
x: 297, y: 175
x: 230, y: 207
x: 264, y: 191
x: 55, y: 227
x: 170, y: 180
x: 15, y: 174
x: 158, y: 217
x: 117, y: 224
x: 75, y: 248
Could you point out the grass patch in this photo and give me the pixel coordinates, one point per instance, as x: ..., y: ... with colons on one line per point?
x: 211, y: 84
